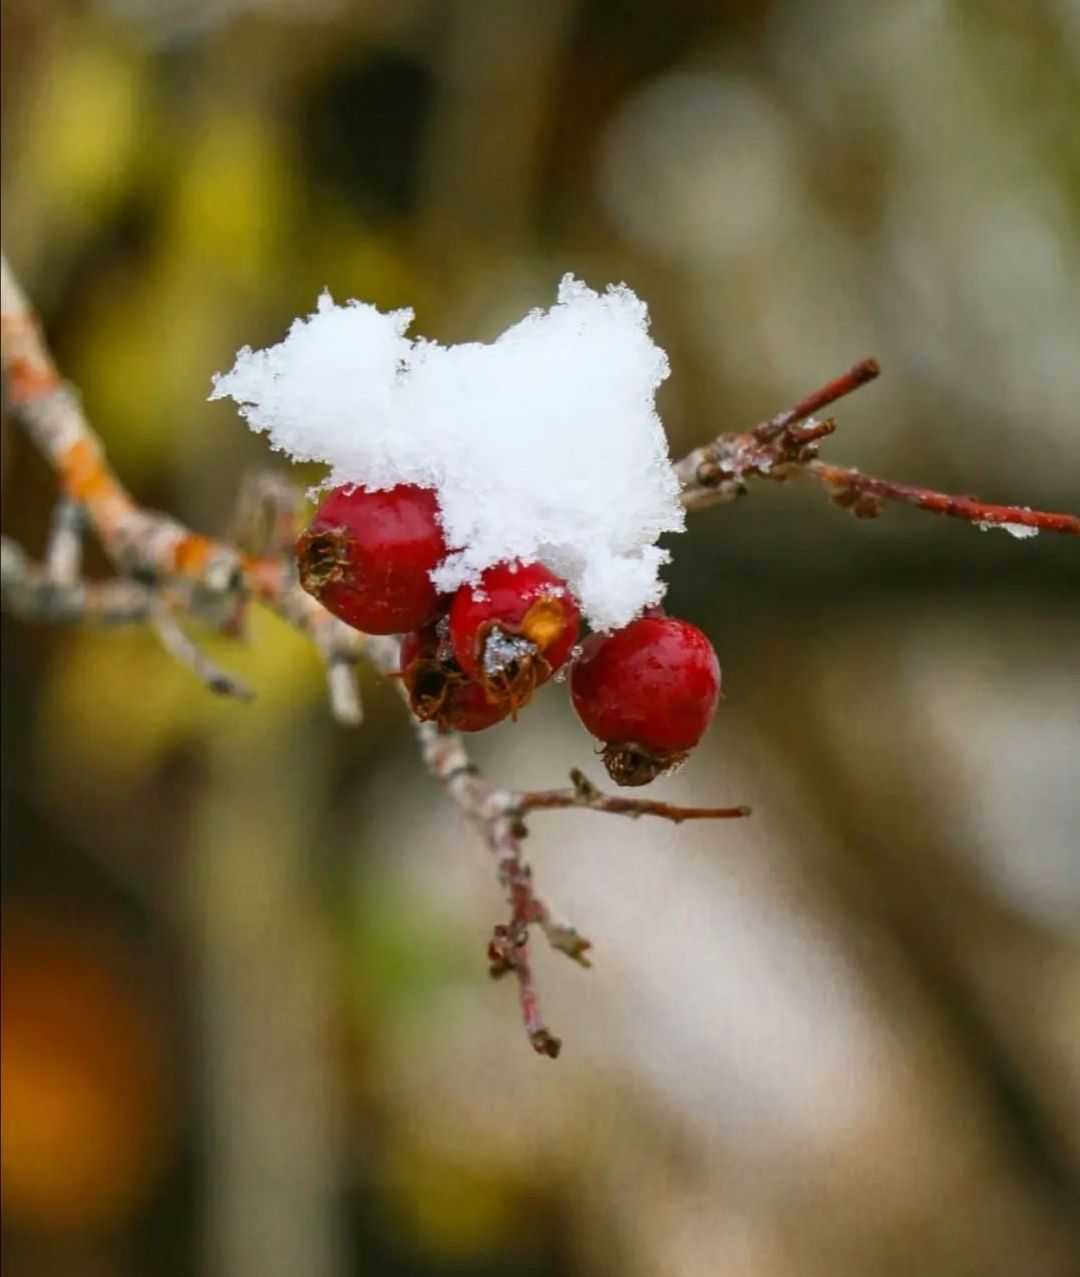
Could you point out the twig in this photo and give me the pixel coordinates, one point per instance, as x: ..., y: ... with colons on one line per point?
x: 584, y: 794
x: 30, y: 592
x: 865, y: 496
x: 787, y: 445
x: 345, y: 702
x: 266, y: 517
x: 187, y: 652
x: 53, y: 417
x: 494, y: 812
x: 63, y: 551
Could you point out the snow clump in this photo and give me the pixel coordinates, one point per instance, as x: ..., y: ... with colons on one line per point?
x: 542, y: 445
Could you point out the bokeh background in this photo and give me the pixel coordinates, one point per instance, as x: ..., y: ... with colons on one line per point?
x: 247, y: 1030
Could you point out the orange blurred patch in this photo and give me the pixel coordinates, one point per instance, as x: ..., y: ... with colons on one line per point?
x: 86, y: 1121
x: 83, y: 473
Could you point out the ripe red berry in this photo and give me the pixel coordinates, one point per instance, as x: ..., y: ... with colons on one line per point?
x: 366, y: 556
x: 648, y: 691
x: 439, y: 691
x: 513, y: 630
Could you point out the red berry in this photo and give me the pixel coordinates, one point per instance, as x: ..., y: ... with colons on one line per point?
x: 439, y: 691
x: 648, y: 691
x: 513, y: 630
x: 366, y: 556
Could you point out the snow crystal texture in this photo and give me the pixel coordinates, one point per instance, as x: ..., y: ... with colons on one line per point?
x: 542, y: 445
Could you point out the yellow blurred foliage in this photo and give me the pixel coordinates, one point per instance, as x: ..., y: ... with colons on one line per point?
x: 83, y: 130
x: 116, y: 704
x: 452, y: 1209
x: 232, y: 205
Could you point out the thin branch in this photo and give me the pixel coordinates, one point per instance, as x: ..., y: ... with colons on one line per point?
x: 787, y: 445
x: 860, y: 374
x: 584, y: 794
x: 29, y: 592
x: 497, y: 814
x: 52, y: 416
x: 187, y: 652
x: 866, y: 495
x: 703, y: 471
x: 63, y: 551
x: 267, y: 515
x: 345, y: 702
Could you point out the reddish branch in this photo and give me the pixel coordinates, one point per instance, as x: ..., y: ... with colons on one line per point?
x: 584, y: 794
x: 787, y: 445
x: 865, y: 495
x: 167, y: 572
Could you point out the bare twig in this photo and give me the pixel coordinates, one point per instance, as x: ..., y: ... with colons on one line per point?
x: 495, y: 813
x: 183, y: 649
x: 865, y: 496
x: 266, y: 517
x: 63, y: 552
x: 584, y: 794
x: 345, y: 701
x: 30, y: 592
x: 787, y: 445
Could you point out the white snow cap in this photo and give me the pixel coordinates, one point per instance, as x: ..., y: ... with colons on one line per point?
x: 542, y: 445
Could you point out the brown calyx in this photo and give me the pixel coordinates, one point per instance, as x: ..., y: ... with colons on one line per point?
x: 322, y: 558
x: 428, y: 690
x: 429, y: 681
x: 631, y: 764
x: 512, y: 663
x: 511, y: 668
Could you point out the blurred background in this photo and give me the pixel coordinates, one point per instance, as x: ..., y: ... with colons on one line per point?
x: 247, y: 1030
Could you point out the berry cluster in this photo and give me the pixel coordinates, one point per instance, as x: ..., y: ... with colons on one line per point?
x: 648, y: 690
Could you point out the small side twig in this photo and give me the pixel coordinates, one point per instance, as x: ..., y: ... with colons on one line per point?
x: 860, y: 374
x: 345, y: 702
x: 584, y: 794
x: 496, y: 813
x: 29, y: 591
x: 865, y: 496
x: 183, y: 649
x: 63, y: 551
x: 788, y: 443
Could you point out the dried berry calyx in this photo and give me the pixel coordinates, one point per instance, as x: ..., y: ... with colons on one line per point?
x: 368, y: 556
x: 438, y: 689
x: 648, y: 691
x: 630, y: 763
x: 513, y: 630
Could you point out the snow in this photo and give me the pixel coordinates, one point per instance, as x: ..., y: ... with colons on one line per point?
x: 542, y: 445
x: 1019, y: 530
